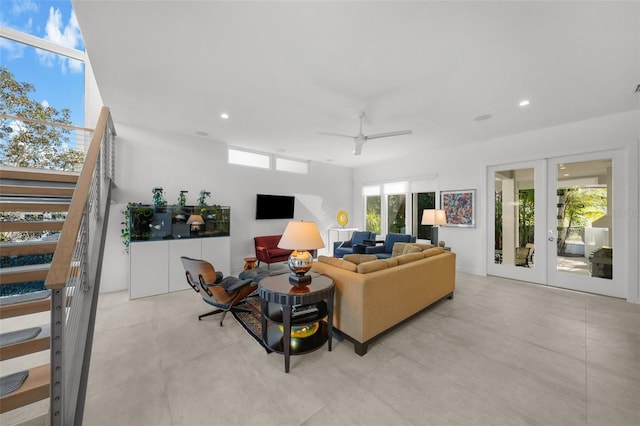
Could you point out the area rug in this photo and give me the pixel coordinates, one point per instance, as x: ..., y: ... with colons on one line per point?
x: 252, y: 321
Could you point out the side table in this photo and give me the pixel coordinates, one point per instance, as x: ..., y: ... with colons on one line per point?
x: 250, y: 263
x: 278, y: 300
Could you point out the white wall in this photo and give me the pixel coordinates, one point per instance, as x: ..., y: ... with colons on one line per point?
x: 146, y: 159
x: 464, y: 168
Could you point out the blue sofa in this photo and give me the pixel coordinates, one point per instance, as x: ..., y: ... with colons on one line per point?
x: 340, y: 248
x: 384, y: 251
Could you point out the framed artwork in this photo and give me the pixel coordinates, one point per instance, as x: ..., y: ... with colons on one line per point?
x: 459, y: 207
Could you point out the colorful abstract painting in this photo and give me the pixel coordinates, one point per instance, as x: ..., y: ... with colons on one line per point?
x: 459, y: 207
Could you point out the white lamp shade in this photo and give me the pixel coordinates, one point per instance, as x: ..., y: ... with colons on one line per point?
x: 301, y: 236
x: 433, y: 217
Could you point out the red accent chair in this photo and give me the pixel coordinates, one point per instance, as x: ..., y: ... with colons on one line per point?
x: 267, y: 250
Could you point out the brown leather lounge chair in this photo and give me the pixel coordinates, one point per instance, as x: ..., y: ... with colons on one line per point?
x: 224, y: 293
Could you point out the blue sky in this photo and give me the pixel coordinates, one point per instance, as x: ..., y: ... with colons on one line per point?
x: 59, y: 81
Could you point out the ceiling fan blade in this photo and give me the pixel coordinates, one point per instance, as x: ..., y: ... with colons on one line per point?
x: 388, y: 134
x: 357, y: 150
x: 336, y: 134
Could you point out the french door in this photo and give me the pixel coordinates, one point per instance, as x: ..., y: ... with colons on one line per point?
x: 553, y: 222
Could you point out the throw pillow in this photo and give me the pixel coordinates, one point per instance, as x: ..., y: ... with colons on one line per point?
x: 398, y: 249
x: 411, y: 249
x: 409, y: 257
x: 433, y: 251
x: 373, y: 266
x: 359, y: 258
x: 338, y: 263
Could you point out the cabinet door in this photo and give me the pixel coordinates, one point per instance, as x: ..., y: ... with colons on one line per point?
x: 177, y: 248
x: 148, y: 266
x: 217, y: 251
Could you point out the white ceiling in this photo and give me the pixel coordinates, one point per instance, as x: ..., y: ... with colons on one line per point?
x: 285, y: 71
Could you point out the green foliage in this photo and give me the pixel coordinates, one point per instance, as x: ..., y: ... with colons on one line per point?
x: 526, y: 219
x: 374, y: 214
x: 396, y: 206
x: 158, y: 197
x: 28, y: 143
x: 202, y: 198
x: 373, y: 222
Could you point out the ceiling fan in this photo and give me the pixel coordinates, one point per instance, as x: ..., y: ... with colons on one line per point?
x: 361, y: 138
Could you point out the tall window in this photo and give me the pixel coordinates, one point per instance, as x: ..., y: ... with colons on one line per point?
x: 373, y: 209
x: 386, y: 208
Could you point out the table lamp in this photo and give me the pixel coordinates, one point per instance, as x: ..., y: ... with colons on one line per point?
x: 194, y: 222
x: 300, y: 237
x: 434, y: 218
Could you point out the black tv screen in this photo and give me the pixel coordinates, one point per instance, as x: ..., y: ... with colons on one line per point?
x: 274, y: 206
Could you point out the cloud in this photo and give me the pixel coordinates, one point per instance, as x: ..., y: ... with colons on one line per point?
x: 13, y: 50
x: 57, y: 32
x: 22, y: 6
x: 66, y: 35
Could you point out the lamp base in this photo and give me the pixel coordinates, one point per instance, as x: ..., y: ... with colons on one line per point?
x: 299, y: 280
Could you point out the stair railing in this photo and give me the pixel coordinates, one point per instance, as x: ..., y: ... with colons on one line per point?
x: 74, y: 277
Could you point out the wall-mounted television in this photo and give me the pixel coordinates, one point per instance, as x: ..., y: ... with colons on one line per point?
x: 274, y: 206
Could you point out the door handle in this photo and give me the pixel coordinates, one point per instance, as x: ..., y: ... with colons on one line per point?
x: 551, y: 239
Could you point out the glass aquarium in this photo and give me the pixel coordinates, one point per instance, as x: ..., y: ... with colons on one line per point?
x: 148, y: 222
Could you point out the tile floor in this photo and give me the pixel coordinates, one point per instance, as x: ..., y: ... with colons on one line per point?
x: 502, y: 352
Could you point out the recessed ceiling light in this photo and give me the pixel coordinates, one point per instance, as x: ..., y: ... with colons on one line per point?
x: 566, y: 174
x: 524, y: 102
x: 483, y: 117
x: 224, y: 116
x: 201, y: 133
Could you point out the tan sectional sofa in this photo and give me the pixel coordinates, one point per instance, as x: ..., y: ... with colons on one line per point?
x: 373, y: 295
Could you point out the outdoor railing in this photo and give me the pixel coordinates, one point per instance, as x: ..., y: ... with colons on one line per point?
x: 74, y: 277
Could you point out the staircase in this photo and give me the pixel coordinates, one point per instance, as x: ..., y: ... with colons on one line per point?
x: 33, y: 205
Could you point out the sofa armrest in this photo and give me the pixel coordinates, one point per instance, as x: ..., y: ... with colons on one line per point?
x: 262, y: 253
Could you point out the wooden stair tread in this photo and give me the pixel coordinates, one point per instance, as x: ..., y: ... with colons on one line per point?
x: 39, y: 343
x: 19, y: 274
x: 25, y: 308
x: 41, y: 175
x: 34, y: 206
x: 31, y: 225
x: 34, y: 388
x: 29, y: 190
x: 27, y: 248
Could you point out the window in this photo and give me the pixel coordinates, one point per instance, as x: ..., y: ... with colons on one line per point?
x: 42, y: 45
x: 373, y: 209
x: 263, y: 160
x: 248, y: 158
x: 386, y: 208
x: 294, y: 166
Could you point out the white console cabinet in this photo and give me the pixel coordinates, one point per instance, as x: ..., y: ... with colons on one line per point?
x: 155, y: 266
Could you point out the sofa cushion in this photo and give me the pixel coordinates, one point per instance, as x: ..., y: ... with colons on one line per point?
x: 359, y: 258
x: 391, y: 262
x: 433, y: 251
x: 404, y: 248
x: 373, y: 266
x: 409, y: 257
x: 338, y: 263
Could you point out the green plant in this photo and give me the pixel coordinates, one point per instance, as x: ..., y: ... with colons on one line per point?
x: 182, y: 199
x: 125, y: 232
x: 202, y: 198
x: 158, y: 197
